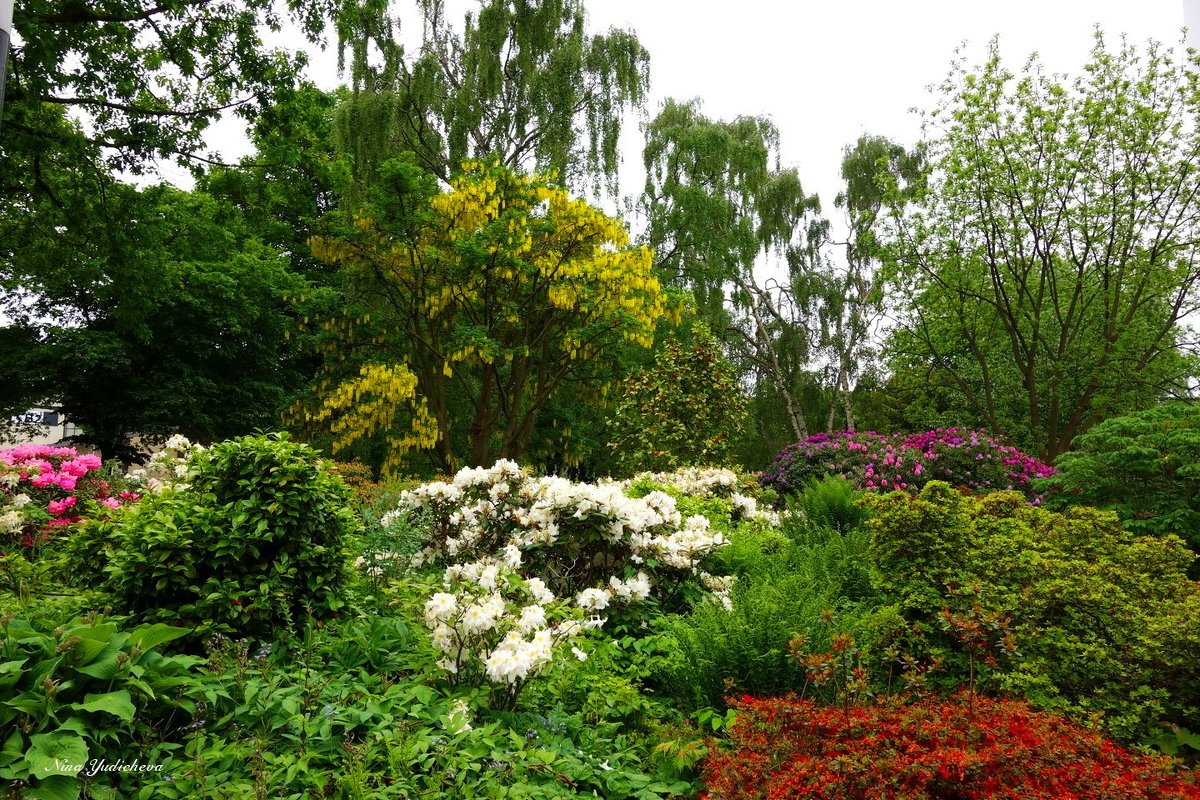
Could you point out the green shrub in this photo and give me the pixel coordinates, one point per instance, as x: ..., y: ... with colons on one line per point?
x: 83, y: 690
x: 253, y: 545
x: 831, y: 503
x: 786, y: 586
x: 1107, y: 624
x: 1144, y: 466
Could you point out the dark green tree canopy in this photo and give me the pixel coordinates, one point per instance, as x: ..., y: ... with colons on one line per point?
x: 149, y: 75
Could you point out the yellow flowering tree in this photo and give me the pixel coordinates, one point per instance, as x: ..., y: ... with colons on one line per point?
x: 469, y: 309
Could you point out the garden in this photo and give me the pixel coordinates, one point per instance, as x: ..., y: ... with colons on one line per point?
x: 393, y: 461
x: 251, y: 620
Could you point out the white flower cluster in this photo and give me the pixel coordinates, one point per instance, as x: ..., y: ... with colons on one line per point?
x: 720, y: 586
x: 707, y: 482
x: 592, y: 548
x: 167, y: 467
x: 493, y: 621
x: 694, y: 481
x: 12, y: 521
x: 377, y: 564
x: 505, y: 515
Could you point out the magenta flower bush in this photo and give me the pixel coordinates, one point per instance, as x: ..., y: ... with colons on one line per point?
x: 876, y: 462
x: 43, y: 487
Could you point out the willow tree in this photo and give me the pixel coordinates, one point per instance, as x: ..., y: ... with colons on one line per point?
x: 1050, y: 271
x: 473, y: 308
x: 716, y: 200
x: 519, y: 80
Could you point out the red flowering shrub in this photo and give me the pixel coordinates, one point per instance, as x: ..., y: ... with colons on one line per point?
x: 937, y: 749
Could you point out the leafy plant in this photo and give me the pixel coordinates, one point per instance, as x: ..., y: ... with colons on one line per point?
x: 87, y: 689
x: 788, y: 747
x: 685, y: 409
x: 1144, y: 466
x: 1107, y: 623
x: 253, y: 545
x: 879, y: 463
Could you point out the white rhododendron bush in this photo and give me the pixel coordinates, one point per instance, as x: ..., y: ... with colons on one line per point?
x: 530, y: 563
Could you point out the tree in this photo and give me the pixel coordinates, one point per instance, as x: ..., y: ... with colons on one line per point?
x: 522, y: 82
x: 471, y: 309
x: 716, y: 200
x: 149, y: 75
x: 146, y: 311
x: 854, y: 297
x: 1048, y: 272
x: 685, y: 410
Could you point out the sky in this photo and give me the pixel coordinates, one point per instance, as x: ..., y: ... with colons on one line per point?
x: 826, y: 72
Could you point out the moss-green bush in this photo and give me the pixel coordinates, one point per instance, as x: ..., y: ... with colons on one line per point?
x: 1108, y: 624
x: 1143, y: 466
x: 252, y: 546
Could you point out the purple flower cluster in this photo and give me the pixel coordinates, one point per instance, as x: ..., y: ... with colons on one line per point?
x: 876, y: 462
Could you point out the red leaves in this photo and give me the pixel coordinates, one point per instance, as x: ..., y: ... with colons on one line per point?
x: 789, y: 748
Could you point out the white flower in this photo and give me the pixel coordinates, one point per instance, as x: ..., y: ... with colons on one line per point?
x: 582, y: 656
x: 9, y: 478
x: 539, y: 592
x: 440, y: 608
x: 532, y: 618
x: 21, y: 500
x: 487, y: 577
x: 511, y: 556
x: 593, y: 599
x: 459, y: 718
x: 12, y: 521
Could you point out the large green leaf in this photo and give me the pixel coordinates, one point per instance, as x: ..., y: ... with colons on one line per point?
x: 58, y: 753
x: 55, y: 787
x: 118, y: 703
x: 150, y: 636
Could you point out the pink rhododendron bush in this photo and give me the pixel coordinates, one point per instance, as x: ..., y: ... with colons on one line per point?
x: 872, y: 461
x: 44, y: 487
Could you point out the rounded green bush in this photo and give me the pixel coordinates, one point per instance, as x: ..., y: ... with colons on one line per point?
x: 254, y: 544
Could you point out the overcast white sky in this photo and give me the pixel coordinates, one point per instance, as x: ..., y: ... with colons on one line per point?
x: 826, y: 72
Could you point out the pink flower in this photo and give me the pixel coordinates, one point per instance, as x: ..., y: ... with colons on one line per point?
x: 57, y: 507
x: 111, y: 502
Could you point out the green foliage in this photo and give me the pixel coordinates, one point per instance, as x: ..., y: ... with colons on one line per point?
x: 152, y: 310
x: 831, y: 502
x: 470, y: 309
x: 86, y: 689
x: 1144, y: 466
x: 788, y: 588
x: 253, y: 545
x: 148, y: 76
x: 346, y: 713
x: 686, y: 409
x: 1107, y: 624
x: 520, y: 81
x: 1044, y: 276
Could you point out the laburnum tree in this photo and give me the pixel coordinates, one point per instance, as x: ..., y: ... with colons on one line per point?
x: 1046, y: 280
x: 469, y: 310
x: 685, y: 409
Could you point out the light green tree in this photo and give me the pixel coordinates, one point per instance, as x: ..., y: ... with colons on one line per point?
x: 1047, y: 274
